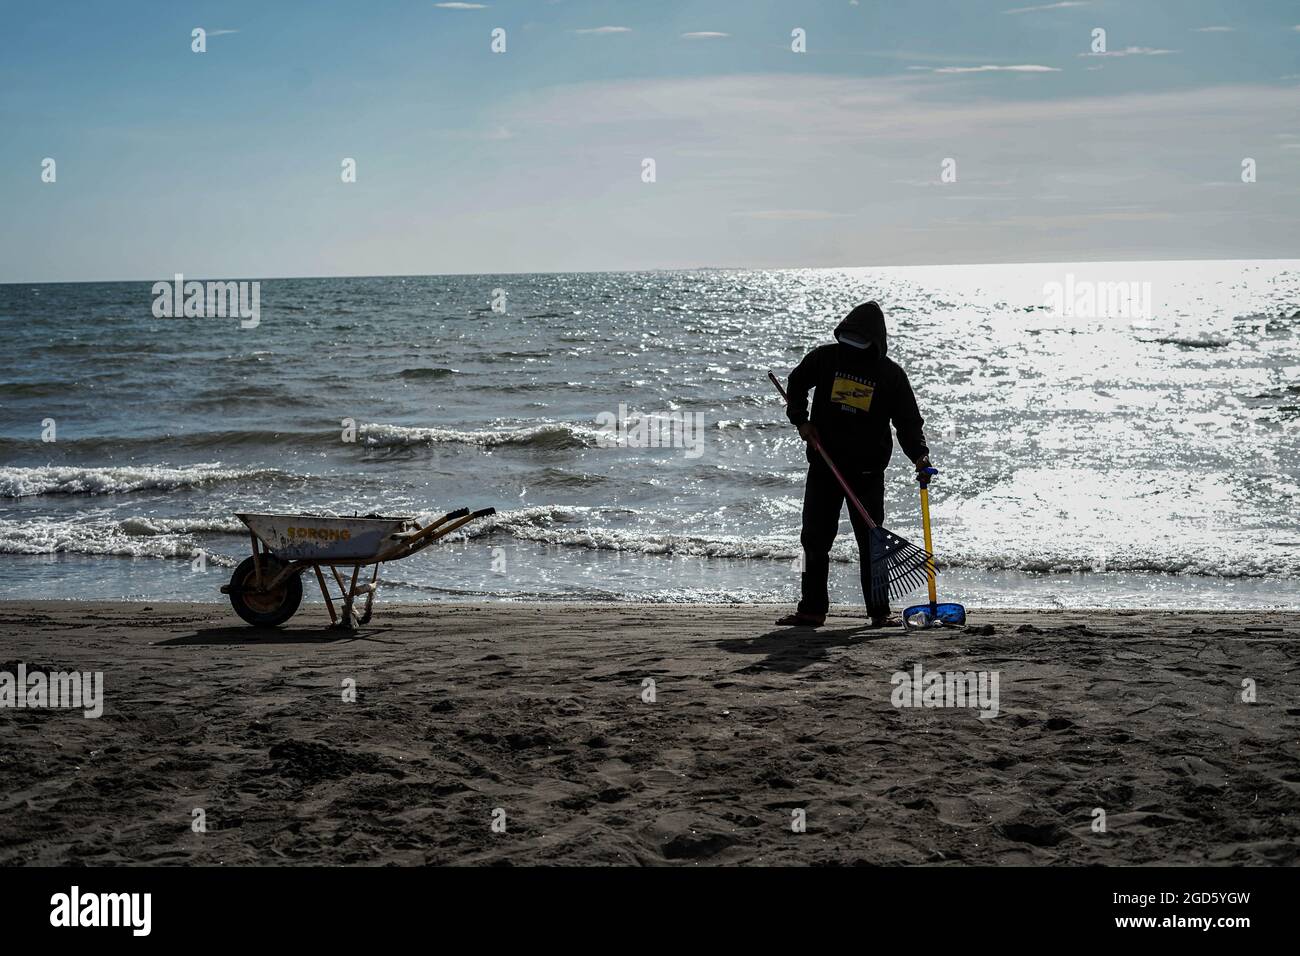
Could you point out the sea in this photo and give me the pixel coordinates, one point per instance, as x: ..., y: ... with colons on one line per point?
x: 1108, y: 434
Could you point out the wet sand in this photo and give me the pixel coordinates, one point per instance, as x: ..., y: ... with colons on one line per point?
x: 540, y: 713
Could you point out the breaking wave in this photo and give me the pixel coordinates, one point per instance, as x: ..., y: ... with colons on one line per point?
x: 145, y: 527
x: 569, y: 526
x: 584, y: 528
x: 132, y: 538
x: 576, y: 527
x: 552, y: 435
x: 72, y: 480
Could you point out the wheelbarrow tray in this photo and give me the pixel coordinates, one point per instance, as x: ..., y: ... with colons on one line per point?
x: 266, y: 589
x: 319, y: 538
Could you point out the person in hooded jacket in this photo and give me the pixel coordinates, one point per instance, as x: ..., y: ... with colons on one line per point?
x: 857, y: 392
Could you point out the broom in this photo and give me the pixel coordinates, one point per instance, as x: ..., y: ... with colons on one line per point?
x: 897, y: 565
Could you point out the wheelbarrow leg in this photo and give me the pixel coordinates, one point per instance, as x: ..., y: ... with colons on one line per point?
x: 329, y: 601
x: 370, y: 596
x: 257, y: 563
x: 349, y: 616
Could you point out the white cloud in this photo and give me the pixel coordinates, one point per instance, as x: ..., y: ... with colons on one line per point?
x: 704, y: 35
x: 760, y: 114
x: 792, y: 215
x: 989, y: 68
x: 462, y: 6
x: 953, y: 59
x: 220, y: 33
x: 1214, y: 30
x: 774, y: 146
x: 1049, y: 6
x: 1133, y: 51
x: 605, y: 30
x: 937, y: 183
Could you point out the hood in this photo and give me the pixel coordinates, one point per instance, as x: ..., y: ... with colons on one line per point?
x: 866, y: 323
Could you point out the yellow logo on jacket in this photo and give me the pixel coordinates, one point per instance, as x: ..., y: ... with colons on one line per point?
x: 854, y: 392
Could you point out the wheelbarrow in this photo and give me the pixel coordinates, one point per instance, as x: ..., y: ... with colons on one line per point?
x: 266, y: 588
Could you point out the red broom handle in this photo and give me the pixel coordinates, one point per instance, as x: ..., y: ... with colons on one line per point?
x: 848, y: 492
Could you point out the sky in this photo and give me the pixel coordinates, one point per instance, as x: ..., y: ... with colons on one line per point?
x: 228, y: 163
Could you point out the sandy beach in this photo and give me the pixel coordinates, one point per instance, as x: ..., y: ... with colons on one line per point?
x: 545, y: 712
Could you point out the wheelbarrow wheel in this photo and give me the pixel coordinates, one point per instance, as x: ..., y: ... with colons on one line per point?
x: 264, y: 608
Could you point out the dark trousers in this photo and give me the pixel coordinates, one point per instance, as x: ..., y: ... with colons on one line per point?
x: 823, y: 499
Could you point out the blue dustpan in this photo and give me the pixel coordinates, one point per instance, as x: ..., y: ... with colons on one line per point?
x: 931, y: 614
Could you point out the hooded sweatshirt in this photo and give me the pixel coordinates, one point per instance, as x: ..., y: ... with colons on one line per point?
x: 858, y: 391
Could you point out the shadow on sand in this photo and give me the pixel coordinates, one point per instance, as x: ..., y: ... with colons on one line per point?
x: 238, y: 636
x: 791, y: 649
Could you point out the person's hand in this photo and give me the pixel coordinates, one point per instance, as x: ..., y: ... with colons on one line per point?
x: 922, y: 464
x: 807, y: 432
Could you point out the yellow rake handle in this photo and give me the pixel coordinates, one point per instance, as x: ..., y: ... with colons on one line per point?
x: 929, y: 548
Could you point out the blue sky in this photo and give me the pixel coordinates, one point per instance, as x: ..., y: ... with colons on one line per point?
x: 227, y: 163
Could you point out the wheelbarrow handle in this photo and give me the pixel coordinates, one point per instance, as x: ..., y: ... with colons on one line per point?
x: 408, y: 536
x: 424, y: 540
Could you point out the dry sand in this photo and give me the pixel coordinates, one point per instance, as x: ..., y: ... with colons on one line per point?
x: 538, y: 710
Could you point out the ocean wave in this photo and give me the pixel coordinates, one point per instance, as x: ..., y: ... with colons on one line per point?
x: 420, y: 374
x: 558, y: 478
x: 240, y: 398
x: 552, y: 525
x: 538, y: 517
x: 32, y: 389
x: 506, y: 356
x: 552, y: 435
x: 573, y: 592
x: 73, y: 480
x: 782, y: 480
x: 587, y: 593
x: 749, y: 424
x: 226, y: 438
x: 574, y: 527
x: 248, y: 438
x: 146, y: 527
x: 578, y: 527
x: 1067, y: 520
x: 1245, y: 565
x: 507, y: 388
x: 1191, y: 342
x: 108, y: 539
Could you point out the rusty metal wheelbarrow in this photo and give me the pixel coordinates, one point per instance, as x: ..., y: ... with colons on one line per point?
x: 266, y: 588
